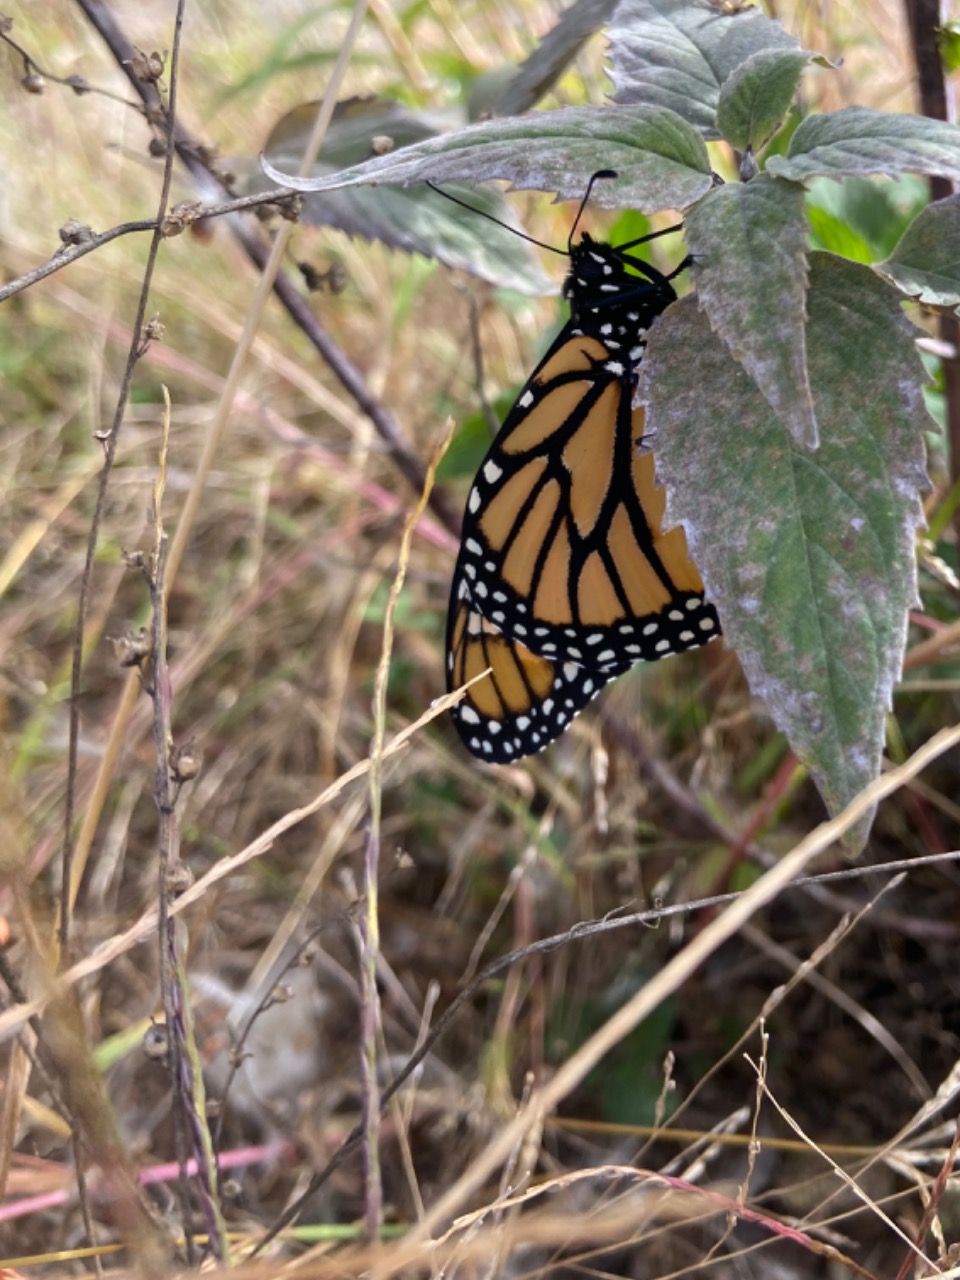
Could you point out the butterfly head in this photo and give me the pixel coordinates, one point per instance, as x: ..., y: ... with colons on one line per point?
x: 600, y: 284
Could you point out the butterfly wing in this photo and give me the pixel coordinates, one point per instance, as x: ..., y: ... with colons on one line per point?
x: 562, y: 541
x: 524, y: 702
x: 565, y: 576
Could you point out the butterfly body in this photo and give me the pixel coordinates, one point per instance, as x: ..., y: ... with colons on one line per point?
x: 565, y: 578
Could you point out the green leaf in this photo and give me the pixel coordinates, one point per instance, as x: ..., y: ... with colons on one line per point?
x: 662, y: 161
x: 810, y: 557
x: 858, y: 140
x: 415, y: 221
x: 876, y: 210
x: 471, y: 440
x: 950, y: 46
x: 628, y: 1081
x: 677, y: 54
x: 749, y: 243
x: 926, y: 261
x: 827, y: 231
x: 757, y: 95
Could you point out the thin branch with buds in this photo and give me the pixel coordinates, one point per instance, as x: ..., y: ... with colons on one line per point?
x: 197, y: 159
x: 35, y: 77
x: 80, y: 240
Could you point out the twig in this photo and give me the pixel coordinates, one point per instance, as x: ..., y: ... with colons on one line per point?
x: 167, y: 832
x: 109, y: 441
x: 88, y: 241
x: 754, y: 1148
x: 183, y: 1057
x: 368, y: 930
x: 34, y: 74
x: 193, y: 155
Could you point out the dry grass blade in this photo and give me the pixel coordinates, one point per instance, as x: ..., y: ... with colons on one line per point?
x: 145, y: 927
x: 667, y: 981
x: 851, y: 1183
x: 556, y: 1009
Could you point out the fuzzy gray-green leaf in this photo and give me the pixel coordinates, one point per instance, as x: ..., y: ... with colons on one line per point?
x: 748, y: 242
x: 810, y: 557
x: 414, y: 221
x: 859, y: 140
x: 926, y: 262
x: 757, y: 95
x: 662, y: 161
x: 677, y: 54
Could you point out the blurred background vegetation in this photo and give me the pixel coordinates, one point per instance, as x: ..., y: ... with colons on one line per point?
x: 673, y: 786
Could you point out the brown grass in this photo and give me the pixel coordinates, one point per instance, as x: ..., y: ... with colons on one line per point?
x: 671, y: 789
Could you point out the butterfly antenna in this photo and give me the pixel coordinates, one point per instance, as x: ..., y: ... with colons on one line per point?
x: 601, y: 173
x: 490, y: 218
x: 651, y: 235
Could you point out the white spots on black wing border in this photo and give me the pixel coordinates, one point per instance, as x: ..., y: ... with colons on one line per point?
x: 514, y: 736
x: 687, y: 623
x: 690, y: 623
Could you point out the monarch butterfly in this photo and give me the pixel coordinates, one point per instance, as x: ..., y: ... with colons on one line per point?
x: 565, y: 578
